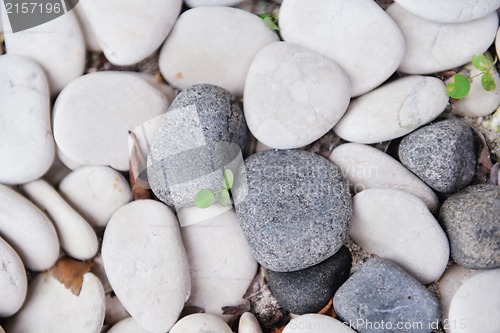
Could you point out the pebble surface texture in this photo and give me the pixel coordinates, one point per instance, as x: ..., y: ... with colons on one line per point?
x: 12, y: 274
x: 441, y: 154
x: 296, y: 210
x: 471, y: 218
x: 309, y: 290
x: 382, y: 291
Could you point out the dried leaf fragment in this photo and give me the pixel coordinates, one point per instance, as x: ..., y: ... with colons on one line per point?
x: 70, y: 273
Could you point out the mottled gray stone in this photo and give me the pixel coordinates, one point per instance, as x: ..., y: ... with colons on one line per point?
x: 295, y: 210
x: 471, y: 218
x: 202, y: 133
x: 382, y: 297
x: 441, y: 154
x: 310, y: 289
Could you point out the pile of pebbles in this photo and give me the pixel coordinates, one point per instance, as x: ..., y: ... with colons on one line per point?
x: 354, y: 176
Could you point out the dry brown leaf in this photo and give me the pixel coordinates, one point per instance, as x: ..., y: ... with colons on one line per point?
x: 328, y: 310
x: 237, y: 310
x: 279, y: 330
x: 70, y: 273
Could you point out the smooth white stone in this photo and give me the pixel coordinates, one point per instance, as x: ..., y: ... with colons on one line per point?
x: 225, y: 39
x: 316, y: 323
x: 69, y: 163
x: 497, y: 43
x: 28, y: 230
x: 366, y: 167
x: 115, y: 311
x: 88, y: 32
x: 127, y: 325
x: 199, y: 3
x: 1, y: 329
x: 96, y: 192
x: 56, y: 173
x: 293, y: 95
x: 93, y: 115
x: 249, y: 324
x: 397, y: 225
x: 201, y: 323
x: 220, y: 260
x: 129, y: 30
x: 432, y: 46
x: 144, y: 259
x: 346, y: 31
x: 153, y: 80
x: 52, y: 308
x: 26, y: 141
x: 478, y: 102
x: 58, y: 46
x: 450, y: 11
x: 393, y: 110
x: 476, y: 305
x: 13, y: 281
x: 77, y: 237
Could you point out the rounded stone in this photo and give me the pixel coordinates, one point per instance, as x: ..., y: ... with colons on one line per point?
x: 293, y: 96
x: 294, y: 208
x: 127, y: 325
x: 344, y: 31
x: 309, y: 290
x: 200, y: 323
x: 471, y: 218
x: 249, y: 324
x: 316, y: 323
x: 13, y: 281
x: 393, y: 110
x: 442, y: 154
x: 199, y: 3
x: 89, y: 35
x: 226, y: 39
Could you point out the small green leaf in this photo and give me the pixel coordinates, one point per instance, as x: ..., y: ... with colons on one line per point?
x: 488, y: 82
x: 480, y: 62
x: 224, y: 198
x: 228, y: 179
x: 204, y: 199
x: 458, y: 87
x: 270, y: 21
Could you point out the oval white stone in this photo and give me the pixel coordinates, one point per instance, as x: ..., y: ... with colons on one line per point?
x: 432, y: 46
x: 393, y: 110
x: 450, y: 11
x: 129, y: 31
x: 366, y: 167
x: 397, y: 225
x: 28, y: 230
x: 293, y: 96
x: 88, y: 32
x: 96, y: 192
x: 127, y: 325
x: 92, y: 117
x: 199, y: 3
x: 220, y: 260
x: 316, y: 323
x: 145, y: 260
x: 346, y: 31
x: 249, y: 324
x: 13, y: 281
x: 26, y: 141
x: 50, y: 307
x: 225, y: 39
x: 497, y: 43
x: 200, y: 323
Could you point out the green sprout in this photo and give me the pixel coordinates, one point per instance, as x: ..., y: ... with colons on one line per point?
x: 206, y: 198
x: 271, y: 21
x: 459, y: 85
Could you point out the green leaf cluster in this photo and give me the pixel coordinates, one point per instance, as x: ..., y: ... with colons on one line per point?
x: 206, y: 198
x: 459, y: 85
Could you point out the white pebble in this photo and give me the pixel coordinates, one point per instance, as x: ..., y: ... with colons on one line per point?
x: 249, y: 324
x: 200, y: 323
x: 91, y: 41
x: 199, y: 3
x: 127, y: 325
x: 13, y: 281
x: 497, y: 43
x: 316, y: 323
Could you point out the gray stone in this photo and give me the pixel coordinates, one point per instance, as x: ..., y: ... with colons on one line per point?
x: 382, y: 297
x: 202, y: 132
x: 310, y: 289
x: 441, y: 154
x: 295, y: 209
x: 471, y: 218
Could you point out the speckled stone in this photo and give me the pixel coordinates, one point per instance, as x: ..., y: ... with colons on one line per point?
x: 441, y: 154
x: 204, y: 124
x: 382, y: 292
x: 310, y: 289
x: 295, y: 209
x: 471, y: 218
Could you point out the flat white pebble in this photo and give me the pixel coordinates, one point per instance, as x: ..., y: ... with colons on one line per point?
x: 249, y: 324
x: 397, y: 225
x: 57, y: 46
x: 13, y: 281
x: 88, y: 32
x: 129, y: 31
x: 200, y: 323
x: 127, y: 325
x: 393, y: 110
x: 26, y: 141
x: 77, y: 237
x: 145, y: 260
x: 28, y: 230
x: 293, y: 95
x: 366, y: 167
x: 92, y: 117
x: 51, y: 308
x: 226, y: 41
x: 316, y: 323
x: 96, y: 192
x: 344, y: 30
x: 432, y: 46
x: 199, y: 3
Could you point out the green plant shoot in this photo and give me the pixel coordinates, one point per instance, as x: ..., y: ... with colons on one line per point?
x: 459, y: 85
x: 206, y: 198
